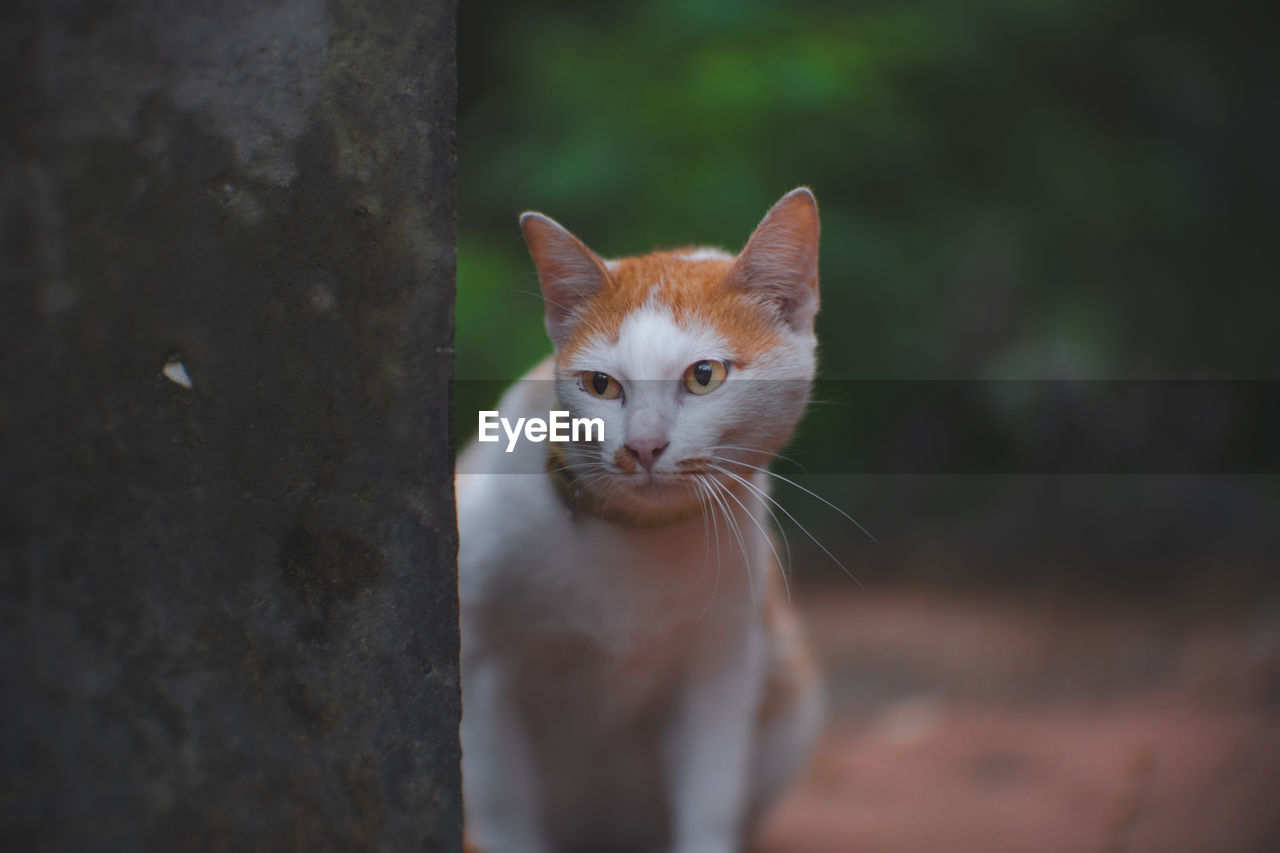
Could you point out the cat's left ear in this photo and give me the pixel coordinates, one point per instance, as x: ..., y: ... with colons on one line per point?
x: 568, y: 271
x: 780, y: 260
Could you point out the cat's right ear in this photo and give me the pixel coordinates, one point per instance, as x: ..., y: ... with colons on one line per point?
x: 568, y: 271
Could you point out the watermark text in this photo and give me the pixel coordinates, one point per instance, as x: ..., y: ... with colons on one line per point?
x: 558, y: 427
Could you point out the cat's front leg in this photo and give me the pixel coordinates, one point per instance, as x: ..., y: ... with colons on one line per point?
x: 708, y: 747
x: 498, y: 778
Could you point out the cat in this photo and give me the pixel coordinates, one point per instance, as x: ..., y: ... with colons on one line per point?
x: 633, y: 676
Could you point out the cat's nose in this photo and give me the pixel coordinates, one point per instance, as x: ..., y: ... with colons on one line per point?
x: 647, y: 451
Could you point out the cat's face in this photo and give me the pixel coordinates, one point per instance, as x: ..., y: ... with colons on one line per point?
x: 698, y: 362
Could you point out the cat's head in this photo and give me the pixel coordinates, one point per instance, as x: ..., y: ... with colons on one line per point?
x: 698, y: 362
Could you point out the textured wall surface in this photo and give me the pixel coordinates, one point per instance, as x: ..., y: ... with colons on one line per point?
x: 227, y: 611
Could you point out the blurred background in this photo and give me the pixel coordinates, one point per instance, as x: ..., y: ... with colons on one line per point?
x: 1025, y: 194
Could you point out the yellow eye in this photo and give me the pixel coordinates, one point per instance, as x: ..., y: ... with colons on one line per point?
x: 601, y: 385
x: 705, y: 376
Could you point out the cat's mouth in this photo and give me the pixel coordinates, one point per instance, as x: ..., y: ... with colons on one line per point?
x: 667, y: 485
x: 644, y: 497
x: 626, y: 467
x: 686, y: 470
x: 652, y: 481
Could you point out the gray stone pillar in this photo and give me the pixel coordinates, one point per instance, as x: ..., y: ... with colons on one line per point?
x: 228, y: 610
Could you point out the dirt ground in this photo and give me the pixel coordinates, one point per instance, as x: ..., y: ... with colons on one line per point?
x: 971, y: 724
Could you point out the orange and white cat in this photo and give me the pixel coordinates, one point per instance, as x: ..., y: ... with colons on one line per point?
x: 633, y: 678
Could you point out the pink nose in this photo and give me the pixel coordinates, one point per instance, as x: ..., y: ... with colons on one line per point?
x: 646, y: 452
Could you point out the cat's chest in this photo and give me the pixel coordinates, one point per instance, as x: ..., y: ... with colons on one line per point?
x: 590, y: 607
x: 523, y: 549
x: 596, y: 670
x: 626, y: 591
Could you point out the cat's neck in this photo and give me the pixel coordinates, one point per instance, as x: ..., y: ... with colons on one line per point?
x: 582, y: 502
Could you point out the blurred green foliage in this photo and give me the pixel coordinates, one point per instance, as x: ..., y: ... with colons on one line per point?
x: 1009, y: 188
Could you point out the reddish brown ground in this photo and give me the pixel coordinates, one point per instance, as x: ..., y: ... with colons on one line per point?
x: 972, y: 725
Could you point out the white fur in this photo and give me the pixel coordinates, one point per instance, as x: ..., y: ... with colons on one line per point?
x: 650, y: 346
x: 706, y: 253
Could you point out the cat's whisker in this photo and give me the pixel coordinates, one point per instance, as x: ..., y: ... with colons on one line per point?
x: 786, y: 541
x: 710, y: 506
x: 748, y: 484
x: 767, y: 538
x: 819, y: 401
x: 706, y: 538
x: 762, y: 450
x: 574, y: 466
x: 589, y: 451
x: 586, y: 461
x: 810, y: 492
x: 732, y: 523
x: 706, y: 530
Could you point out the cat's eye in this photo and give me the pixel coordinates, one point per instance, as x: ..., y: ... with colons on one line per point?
x: 601, y: 385
x: 705, y: 376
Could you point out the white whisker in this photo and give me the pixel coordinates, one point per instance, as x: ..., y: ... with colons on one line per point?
x: 732, y: 522
x: 794, y: 520
x: 716, y: 526
x: 767, y: 539
x: 762, y: 450
x: 803, y: 489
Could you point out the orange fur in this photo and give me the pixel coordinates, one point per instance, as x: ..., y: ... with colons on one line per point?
x: 694, y: 290
x: 625, y: 461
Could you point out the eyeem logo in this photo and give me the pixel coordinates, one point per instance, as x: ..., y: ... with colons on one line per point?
x: 558, y: 427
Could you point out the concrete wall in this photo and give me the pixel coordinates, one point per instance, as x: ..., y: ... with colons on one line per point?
x: 228, y: 613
